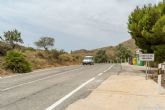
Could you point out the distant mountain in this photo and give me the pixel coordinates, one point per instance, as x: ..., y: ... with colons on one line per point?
x: 130, y: 44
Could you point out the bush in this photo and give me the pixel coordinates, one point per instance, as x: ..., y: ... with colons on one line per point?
x: 16, y: 62
x: 77, y: 58
x: 55, y: 53
x: 101, y: 56
x: 40, y: 55
x: 65, y: 57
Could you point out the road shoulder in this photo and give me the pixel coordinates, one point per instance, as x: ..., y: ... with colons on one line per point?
x: 129, y: 91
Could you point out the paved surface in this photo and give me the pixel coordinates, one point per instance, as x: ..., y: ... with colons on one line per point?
x: 52, y: 89
x: 126, y: 91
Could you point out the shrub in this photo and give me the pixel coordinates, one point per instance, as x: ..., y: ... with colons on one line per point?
x: 40, y: 55
x: 77, y: 58
x: 55, y: 53
x: 65, y: 57
x: 16, y: 62
x: 101, y: 56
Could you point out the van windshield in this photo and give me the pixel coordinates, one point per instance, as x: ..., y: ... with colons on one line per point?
x: 88, y: 58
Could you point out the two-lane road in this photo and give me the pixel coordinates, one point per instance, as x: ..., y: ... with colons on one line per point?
x: 52, y: 89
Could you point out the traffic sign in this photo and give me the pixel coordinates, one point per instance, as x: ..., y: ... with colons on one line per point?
x: 146, y: 57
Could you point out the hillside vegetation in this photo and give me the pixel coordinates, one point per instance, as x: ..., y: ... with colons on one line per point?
x: 111, y: 51
x: 40, y: 59
x: 15, y: 58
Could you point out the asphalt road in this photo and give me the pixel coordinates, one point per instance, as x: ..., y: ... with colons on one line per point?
x: 52, y: 89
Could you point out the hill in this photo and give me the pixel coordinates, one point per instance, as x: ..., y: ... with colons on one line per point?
x: 130, y: 44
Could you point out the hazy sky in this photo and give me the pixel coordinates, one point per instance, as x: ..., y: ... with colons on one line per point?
x: 75, y: 24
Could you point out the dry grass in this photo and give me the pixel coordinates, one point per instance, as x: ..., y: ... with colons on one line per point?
x: 41, y: 59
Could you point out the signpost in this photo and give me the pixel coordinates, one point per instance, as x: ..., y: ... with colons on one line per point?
x: 147, y: 57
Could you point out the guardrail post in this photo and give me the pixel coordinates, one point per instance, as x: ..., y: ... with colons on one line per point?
x: 159, y: 83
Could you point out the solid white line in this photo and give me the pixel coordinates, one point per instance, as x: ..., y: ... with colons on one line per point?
x: 12, y: 87
x: 69, y: 95
x: 100, y: 74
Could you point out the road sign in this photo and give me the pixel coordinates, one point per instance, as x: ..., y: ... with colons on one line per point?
x: 146, y: 57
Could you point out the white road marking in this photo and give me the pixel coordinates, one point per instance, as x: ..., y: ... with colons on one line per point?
x: 36, y: 71
x: 100, y: 74
x: 108, y: 68
x: 69, y: 95
x: 105, y: 70
x: 12, y: 87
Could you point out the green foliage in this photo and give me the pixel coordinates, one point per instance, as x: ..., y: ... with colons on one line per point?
x: 13, y: 37
x: 101, y: 56
x: 123, y: 52
x: 55, y: 53
x: 45, y: 42
x: 147, y: 27
x: 159, y: 52
x: 77, y: 58
x: 16, y: 62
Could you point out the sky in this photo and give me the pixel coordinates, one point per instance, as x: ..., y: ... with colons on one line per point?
x: 75, y: 24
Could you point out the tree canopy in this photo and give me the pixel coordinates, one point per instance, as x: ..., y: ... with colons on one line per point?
x: 123, y: 52
x: 101, y: 56
x: 45, y: 42
x: 12, y: 37
x: 147, y: 26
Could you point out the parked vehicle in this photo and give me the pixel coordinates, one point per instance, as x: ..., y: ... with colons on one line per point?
x: 88, y: 60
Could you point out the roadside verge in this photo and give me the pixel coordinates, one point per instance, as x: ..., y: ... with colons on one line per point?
x: 128, y: 91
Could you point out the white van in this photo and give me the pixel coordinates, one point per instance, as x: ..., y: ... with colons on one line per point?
x: 88, y: 60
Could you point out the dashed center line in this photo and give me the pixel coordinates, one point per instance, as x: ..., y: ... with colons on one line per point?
x: 100, y: 74
x: 108, y: 68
